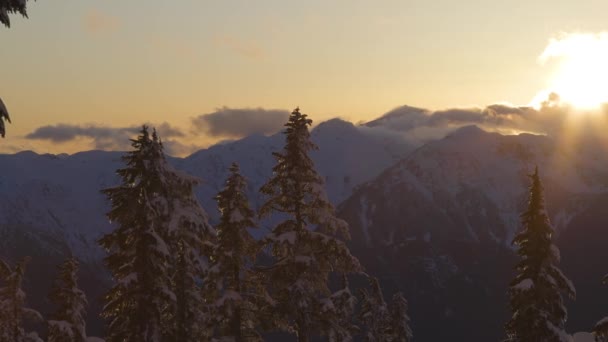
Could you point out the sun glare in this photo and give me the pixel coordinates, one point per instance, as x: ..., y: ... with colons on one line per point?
x: 581, y: 76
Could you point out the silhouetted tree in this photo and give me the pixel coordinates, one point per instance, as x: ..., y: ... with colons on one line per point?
x: 400, y: 330
x: 536, y: 292
x: 191, y: 242
x: 3, y: 116
x: 11, y: 6
x: 68, y: 322
x: 12, y: 304
x: 305, y: 244
x: 231, y: 276
x: 138, y: 304
x: 374, y: 314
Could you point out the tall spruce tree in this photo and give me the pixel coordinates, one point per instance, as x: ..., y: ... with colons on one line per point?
x: 374, y: 314
x: 231, y: 274
x: 138, y: 304
x: 601, y: 327
x: 342, y: 305
x: 305, y: 245
x: 400, y: 330
x: 12, y: 304
x: 191, y: 241
x: 68, y: 322
x: 536, y: 292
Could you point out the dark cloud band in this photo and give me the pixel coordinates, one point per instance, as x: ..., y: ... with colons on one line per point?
x: 237, y: 123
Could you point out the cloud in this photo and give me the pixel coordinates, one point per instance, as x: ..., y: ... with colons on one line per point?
x: 418, y: 125
x: 245, y: 48
x: 97, y: 22
x: 241, y: 122
x: 103, y: 137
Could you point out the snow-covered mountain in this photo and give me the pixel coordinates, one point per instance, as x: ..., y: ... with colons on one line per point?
x: 439, y: 225
x: 435, y: 222
x: 57, y: 199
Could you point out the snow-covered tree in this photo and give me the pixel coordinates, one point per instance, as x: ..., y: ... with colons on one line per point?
x: 399, y: 330
x: 68, y: 322
x: 191, y: 242
x: 601, y: 328
x: 536, y: 301
x: 12, y: 304
x: 11, y: 6
x: 374, y: 314
x: 3, y: 116
x: 141, y: 302
x: 231, y: 277
x: 342, y: 305
x: 305, y: 244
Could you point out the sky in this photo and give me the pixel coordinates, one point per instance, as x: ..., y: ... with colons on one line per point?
x: 88, y: 71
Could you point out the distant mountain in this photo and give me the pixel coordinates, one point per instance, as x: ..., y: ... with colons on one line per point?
x: 435, y: 222
x: 51, y: 206
x: 439, y: 224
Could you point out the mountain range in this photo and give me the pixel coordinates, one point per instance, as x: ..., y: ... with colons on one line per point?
x: 435, y: 221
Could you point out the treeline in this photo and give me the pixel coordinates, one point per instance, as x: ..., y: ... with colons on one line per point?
x: 178, y: 278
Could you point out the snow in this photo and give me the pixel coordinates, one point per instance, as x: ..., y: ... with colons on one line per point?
x: 60, y: 197
x: 290, y: 237
x: 524, y: 285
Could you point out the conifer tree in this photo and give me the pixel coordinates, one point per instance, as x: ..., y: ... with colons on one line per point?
x: 601, y: 327
x: 11, y: 6
x: 231, y: 273
x: 3, y: 116
x: 374, y: 314
x: 305, y: 245
x: 400, y: 330
x: 138, y: 304
x: 191, y: 241
x: 68, y: 322
x: 341, y: 304
x: 12, y: 304
x: 536, y: 292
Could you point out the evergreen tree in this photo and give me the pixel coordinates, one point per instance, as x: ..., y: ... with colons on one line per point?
x: 3, y: 116
x: 341, y: 304
x: 601, y: 328
x: 141, y: 301
x: 305, y: 245
x: 536, y: 292
x: 231, y: 275
x: 11, y: 6
x: 400, y: 330
x: 68, y: 323
x: 374, y: 315
x: 191, y: 241
x: 12, y: 304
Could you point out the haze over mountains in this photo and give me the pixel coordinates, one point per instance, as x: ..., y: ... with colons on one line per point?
x: 430, y: 214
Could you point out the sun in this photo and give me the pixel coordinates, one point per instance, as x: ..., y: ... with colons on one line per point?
x: 581, y: 76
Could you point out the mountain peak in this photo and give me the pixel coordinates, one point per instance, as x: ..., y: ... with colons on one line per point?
x: 335, y: 124
x: 465, y: 131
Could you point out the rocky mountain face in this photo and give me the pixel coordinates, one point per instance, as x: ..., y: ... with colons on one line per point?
x: 439, y: 225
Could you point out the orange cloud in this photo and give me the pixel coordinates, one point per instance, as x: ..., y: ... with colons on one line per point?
x: 97, y: 22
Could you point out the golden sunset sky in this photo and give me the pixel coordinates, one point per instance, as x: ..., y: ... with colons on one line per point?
x: 122, y: 63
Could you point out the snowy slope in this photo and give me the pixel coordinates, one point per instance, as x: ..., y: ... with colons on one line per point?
x: 438, y: 225
x: 472, y: 185
x: 57, y: 198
